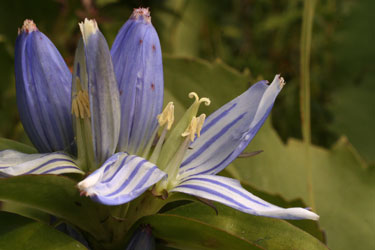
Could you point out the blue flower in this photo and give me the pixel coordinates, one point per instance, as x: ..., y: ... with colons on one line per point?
x: 117, y: 117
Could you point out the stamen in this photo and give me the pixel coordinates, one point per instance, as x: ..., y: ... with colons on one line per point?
x: 167, y: 116
x: 200, y: 122
x: 81, y: 105
x: 191, y: 129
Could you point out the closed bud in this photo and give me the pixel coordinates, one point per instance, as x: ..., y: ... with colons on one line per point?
x: 43, y: 83
x: 142, y: 239
x: 137, y: 61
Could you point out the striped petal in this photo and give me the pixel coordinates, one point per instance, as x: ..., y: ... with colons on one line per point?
x: 121, y: 179
x: 229, y: 192
x: 13, y: 163
x: 102, y: 91
x: 137, y: 61
x: 43, y: 83
x: 227, y: 131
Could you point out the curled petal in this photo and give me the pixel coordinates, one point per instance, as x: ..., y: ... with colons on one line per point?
x: 43, y: 83
x: 227, y: 131
x: 229, y: 192
x: 121, y: 179
x: 137, y: 61
x: 13, y: 163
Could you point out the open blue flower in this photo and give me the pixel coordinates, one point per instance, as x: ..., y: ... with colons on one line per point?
x: 116, y: 108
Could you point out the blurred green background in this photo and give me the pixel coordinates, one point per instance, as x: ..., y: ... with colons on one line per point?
x: 260, y: 38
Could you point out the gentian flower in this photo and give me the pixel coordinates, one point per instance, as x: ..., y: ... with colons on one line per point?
x: 117, y: 123
x: 195, y: 150
x: 94, y: 113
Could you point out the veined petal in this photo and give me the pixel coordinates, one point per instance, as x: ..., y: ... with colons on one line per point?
x: 229, y: 192
x: 43, y: 91
x: 13, y: 163
x: 227, y: 131
x: 102, y: 91
x: 137, y: 60
x: 121, y: 179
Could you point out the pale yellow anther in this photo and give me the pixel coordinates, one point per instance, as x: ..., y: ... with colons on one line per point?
x: 199, y: 100
x: 200, y: 122
x: 191, y: 129
x: 81, y: 105
x: 167, y: 116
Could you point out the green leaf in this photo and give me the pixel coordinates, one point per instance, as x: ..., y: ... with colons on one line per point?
x: 56, y: 195
x: 25, y: 211
x: 352, y: 101
x: 342, y: 187
x: 182, y: 232
x: 21, y: 147
x: 309, y: 226
x: 196, y: 226
x: 17, y: 232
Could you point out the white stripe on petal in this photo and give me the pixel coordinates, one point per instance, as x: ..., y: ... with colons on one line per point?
x: 230, y: 193
x: 13, y: 163
x: 227, y: 132
x: 121, y: 179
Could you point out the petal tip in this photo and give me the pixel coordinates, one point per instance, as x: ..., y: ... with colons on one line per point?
x: 141, y: 14
x: 27, y: 27
x: 88, y: 27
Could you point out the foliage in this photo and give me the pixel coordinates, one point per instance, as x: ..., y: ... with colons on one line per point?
x: 263, y: 36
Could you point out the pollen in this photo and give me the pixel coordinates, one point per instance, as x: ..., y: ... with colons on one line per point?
x: 167, y: 116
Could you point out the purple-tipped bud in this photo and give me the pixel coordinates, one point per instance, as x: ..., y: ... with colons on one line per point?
x: 142, y: 239
x: 137, y: 60
x: 43, y: 83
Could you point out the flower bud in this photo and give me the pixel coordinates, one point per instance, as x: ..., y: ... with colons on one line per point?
x: 137, y: 61
x: 43, y: 83
x: 142, y: 239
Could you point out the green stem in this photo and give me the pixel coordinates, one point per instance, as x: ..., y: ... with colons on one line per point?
x: 307, y: 24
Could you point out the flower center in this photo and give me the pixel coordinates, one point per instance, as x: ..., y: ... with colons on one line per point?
x: 168, y: 156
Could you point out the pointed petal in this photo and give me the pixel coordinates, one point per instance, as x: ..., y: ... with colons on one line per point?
x: 102, y: 90
x: 13, y: 163
x: 43, y: 91
x: 227, y: 131
x: 229, y: 192
x: 121, y: 179
x: 137, y: 61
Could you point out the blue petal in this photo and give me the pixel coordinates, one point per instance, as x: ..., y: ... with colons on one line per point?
x: 229, y: 192
x: 13, y: 163
x: 102, y: 90
x: 121, y: 179
x: 137, y: 60
x: 43, y: 91
x: 227, y: 132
